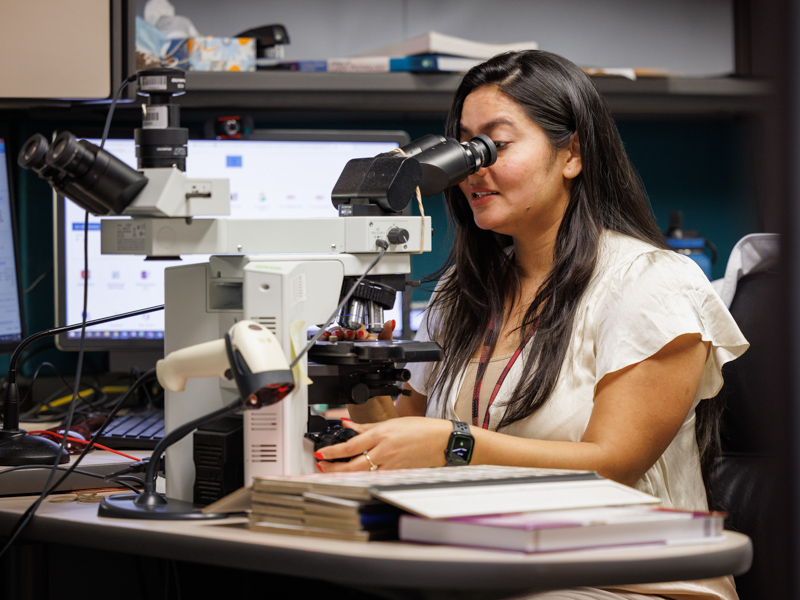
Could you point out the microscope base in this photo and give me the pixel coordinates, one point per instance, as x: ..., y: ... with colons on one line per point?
x: 125, y: 507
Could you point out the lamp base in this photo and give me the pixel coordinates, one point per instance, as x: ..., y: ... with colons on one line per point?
x: 18, y: 448
x: 157, y: 508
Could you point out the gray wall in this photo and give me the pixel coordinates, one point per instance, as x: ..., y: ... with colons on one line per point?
x: 693, y: 37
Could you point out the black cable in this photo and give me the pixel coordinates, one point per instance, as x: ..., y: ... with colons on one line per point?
x: 178, y: 434
x: 123, y: 478
x: 383, y: 245
x: 107, y: 127
x: 23, y: 521
x: 81, y: 345
x: 34, y: 409
x: 36, y: 282
x: 98, y: 393
x: 147, y: 376
x: 118, y: 480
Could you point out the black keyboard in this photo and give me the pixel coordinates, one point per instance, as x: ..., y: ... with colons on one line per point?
x: 134, y: 431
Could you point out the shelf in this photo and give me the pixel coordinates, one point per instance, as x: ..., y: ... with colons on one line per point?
x: 431, y: 94
x: 375, y: 96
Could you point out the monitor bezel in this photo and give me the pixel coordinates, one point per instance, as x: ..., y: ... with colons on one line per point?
x: 157, y: 345
x: 8, y: 347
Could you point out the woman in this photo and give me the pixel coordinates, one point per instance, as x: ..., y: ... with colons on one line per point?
x: 573, y: 339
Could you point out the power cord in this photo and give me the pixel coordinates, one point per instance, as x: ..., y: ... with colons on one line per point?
x: 384, y: 246
x: 23, y: 521
x: 48, y: 487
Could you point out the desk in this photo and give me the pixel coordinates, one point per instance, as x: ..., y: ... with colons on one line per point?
x: 396, y: 566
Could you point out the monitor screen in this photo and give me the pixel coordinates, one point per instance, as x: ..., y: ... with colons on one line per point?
x: 285, y: 174
x: 10, y: 295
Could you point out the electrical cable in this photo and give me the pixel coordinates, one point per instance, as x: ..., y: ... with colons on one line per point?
x: 81, y: 351
x: 35, y: 377
x: 121, y: 480
x: 36, y: 282
x: 80, y: 441
x: 383, y: 245
x: 23, y: 521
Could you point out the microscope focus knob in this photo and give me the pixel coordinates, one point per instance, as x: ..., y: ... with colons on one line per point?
x: 397, y: 235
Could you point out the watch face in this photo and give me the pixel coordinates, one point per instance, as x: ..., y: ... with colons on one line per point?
x: 460, y: 450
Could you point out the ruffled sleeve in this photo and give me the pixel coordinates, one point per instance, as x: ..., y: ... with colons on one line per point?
x: 652, y: 300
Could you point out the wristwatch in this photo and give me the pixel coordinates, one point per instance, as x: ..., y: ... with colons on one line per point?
x: 459, y: 446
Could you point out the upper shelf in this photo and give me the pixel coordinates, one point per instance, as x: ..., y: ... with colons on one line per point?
x: 432, y: 93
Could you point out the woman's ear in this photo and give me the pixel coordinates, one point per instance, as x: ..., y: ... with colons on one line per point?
x: 573, y: 165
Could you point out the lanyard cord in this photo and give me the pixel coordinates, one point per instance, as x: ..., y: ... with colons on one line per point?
x: 488, y: 342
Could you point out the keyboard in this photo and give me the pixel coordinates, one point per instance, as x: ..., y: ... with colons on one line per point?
x: 134, y: 431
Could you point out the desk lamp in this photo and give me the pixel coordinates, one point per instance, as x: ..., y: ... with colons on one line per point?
x: 252, y: 356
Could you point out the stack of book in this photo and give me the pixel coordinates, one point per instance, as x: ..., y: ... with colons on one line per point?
x: 509, y: 508
x: 429, y: 52
x: 320, y: 515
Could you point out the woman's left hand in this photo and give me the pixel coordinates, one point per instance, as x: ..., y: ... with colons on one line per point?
x: 402, y: 443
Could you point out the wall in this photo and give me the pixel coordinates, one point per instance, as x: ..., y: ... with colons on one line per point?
x: 698, y: 166
x: 684, y: 36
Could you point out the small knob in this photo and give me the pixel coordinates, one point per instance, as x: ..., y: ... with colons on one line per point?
x: 397, y: 235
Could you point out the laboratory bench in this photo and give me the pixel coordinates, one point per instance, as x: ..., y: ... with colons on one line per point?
x: 390, y: 569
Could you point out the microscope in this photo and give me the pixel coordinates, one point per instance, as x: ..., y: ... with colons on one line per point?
x: 284, y: 275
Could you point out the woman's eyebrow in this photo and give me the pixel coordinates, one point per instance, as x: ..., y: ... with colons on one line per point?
x: 488, y: 126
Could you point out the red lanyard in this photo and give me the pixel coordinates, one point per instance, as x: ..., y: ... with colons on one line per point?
x: 484, y: 361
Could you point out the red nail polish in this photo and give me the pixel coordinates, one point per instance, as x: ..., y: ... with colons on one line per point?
x: 360, y: 334
x: 393, y: 324
x: 319, y: 468
x: 318, y: 456
x: 349, y: 334
x: 346, y: 419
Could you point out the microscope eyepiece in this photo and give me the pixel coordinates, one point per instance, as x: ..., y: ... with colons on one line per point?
x: 483, y: 149
x: 386, y: 183
x: 33, y: 153
x: 86, y: 174
x: 451, y: 162
x: 67, y: 154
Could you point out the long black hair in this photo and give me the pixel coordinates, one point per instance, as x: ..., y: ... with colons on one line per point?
x: 480, y: 276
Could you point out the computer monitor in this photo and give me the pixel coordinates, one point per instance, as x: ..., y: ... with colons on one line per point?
x: 273, y: 174
x: 11, y: 324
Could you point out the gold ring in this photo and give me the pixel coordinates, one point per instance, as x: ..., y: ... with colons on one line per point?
x: 372, y: 465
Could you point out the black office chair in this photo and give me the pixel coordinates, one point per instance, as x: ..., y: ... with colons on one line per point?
x: 743, y: 478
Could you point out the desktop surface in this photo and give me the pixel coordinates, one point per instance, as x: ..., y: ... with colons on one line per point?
x: 385, y: 565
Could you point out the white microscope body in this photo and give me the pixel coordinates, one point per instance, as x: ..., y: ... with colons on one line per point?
x: 284, y: 275
x: 286, y: 293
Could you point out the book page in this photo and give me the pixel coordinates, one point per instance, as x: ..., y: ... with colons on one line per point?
x: 439, y: 503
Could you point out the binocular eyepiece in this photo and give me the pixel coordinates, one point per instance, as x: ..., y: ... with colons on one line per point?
x: 387, y: 182
x: 88, y: 175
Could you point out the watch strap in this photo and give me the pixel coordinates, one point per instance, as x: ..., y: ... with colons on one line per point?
x: 461, y: 432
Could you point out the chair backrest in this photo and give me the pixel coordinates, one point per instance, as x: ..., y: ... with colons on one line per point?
x: 742, y: 477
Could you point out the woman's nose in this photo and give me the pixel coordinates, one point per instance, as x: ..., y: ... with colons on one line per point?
x: 481, y: 172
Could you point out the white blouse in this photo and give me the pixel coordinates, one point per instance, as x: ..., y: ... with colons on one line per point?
x: 639, y: 299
